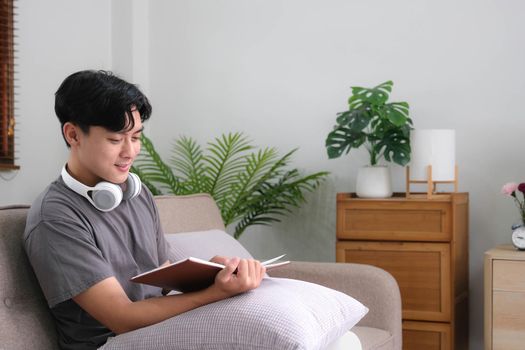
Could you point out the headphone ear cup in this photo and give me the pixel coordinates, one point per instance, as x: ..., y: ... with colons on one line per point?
x: 106, y: 196
x: 133, y: 186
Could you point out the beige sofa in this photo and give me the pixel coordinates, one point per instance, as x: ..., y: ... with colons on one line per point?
x: 27, y: 324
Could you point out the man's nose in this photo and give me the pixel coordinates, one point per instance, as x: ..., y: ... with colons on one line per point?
x: 128, y: 150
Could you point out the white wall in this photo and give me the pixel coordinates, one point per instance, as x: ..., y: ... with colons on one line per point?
x: 130, y: 41
x: 55, y: 38
x: 280, y: 70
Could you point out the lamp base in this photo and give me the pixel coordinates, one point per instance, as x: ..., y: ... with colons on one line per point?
x: 431, y: 184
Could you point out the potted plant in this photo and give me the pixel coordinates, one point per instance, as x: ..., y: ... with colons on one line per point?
x: 383, y: 128
x: 251, y: 186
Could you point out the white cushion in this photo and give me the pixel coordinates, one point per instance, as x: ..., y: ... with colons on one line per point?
x: 280, y: 314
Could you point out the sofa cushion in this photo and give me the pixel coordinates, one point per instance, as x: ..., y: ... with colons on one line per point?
x: 374, y: 338
x: 280, y: 314
x: 25, y: 320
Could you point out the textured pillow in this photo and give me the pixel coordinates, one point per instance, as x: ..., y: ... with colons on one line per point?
x: 205, y: 245
x: 280, y: 314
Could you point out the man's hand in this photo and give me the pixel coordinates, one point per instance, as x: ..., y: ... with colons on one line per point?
x: 249, y: 275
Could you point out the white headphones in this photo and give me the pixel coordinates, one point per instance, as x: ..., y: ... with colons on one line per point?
x: 105, y: 196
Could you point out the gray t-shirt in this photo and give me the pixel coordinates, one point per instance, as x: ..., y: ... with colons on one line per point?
x: 72, y: 246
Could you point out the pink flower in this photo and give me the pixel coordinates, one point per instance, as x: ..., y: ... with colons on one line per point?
x: 510, y: 187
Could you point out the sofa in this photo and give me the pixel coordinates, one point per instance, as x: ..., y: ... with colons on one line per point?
x: 27, y: 324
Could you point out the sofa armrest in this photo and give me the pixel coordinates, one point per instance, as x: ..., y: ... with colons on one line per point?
x: 372, y: 286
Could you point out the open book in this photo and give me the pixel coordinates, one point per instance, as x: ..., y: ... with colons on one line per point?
x: 190, y: 274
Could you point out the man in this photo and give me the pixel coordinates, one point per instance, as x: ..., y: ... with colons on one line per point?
x: 95, y: 227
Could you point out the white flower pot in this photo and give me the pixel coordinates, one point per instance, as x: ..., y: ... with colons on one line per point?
x: 374, y: 182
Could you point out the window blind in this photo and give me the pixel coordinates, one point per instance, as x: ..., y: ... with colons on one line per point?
x: 7, y: 78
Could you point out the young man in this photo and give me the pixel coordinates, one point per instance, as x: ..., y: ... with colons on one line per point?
x: 95, y: 227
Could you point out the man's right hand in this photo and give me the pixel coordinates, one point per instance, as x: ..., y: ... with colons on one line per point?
x: 249, y: 274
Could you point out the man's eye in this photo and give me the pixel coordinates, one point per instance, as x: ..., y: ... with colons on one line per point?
x: 135, y: 139
x: 114, y: 140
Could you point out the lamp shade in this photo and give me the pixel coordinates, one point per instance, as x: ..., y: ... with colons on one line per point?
x: 435, y: 147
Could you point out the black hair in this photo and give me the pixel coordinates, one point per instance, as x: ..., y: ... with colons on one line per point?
x: 99, y: 98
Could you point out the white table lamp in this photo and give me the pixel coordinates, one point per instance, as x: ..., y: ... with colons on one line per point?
x: 433, y: 159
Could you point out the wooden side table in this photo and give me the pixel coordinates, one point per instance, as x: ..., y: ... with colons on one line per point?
x: 504, y: 298
x: 423, y: 243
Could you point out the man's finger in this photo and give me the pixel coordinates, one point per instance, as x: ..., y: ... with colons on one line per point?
x: 230, y: 267
x: 251, y: 269
x: 219, y: 259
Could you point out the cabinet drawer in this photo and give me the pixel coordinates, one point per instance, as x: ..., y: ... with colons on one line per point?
x: 509, y: 275
x: 422, y: 271
x: 426, y: 335
x: 508, y: 320
x: 394, y: 221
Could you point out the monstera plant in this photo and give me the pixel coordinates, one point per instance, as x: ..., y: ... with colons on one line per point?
x: 383, y: 128
x: 251, y: 186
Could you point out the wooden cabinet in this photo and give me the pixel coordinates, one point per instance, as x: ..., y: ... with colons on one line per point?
x: 423, y: 243
x: 504, y: 298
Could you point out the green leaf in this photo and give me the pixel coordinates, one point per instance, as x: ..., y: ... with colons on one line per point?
x: 152, y: 170
x: 344, y: 118
x: 187, y: 160
x: 397, y: 113
x: 375, y: 96
x: 274, y: 198
x: 356, y: 120
x: 225, y: 159
x: 395, y: 147
x: 260, y: 167
x: 343, y: 139
x: 146, y: 181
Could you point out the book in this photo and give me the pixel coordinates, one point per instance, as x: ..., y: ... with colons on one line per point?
x: 190, y: 274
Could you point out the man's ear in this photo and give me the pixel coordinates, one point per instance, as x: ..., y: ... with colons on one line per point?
x: 71, y: 133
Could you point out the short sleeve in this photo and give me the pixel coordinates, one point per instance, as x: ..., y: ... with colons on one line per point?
x: 66, y: 259
x: 163, y: 247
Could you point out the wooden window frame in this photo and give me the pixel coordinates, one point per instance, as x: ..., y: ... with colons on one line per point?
x: 7, y: 86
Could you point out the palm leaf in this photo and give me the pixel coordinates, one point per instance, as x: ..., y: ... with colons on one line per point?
x: 256, y: 168
x: 251, y: 201
x: 274, y: 200
x: 188, y: 161
x: 152, y: 170
x: 225, y: 160
x: 146, y: 181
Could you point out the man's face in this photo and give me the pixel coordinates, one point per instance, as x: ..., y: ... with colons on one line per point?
x: 103, y: 155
